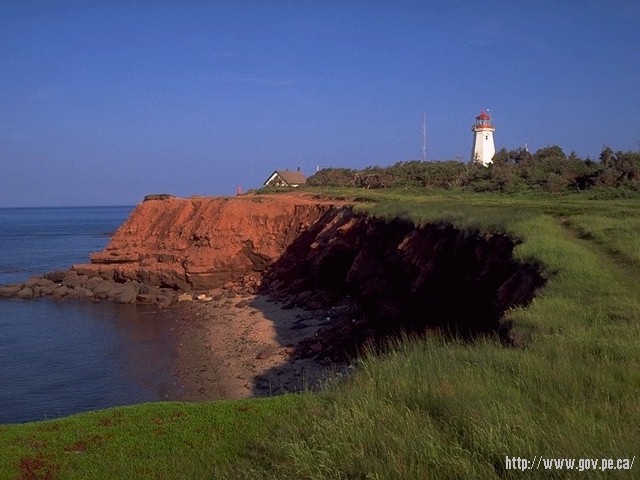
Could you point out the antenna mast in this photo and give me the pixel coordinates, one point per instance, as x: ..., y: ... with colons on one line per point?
x: 424, y: 137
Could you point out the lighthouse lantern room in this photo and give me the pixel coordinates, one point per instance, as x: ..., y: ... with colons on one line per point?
x: 483, y: 147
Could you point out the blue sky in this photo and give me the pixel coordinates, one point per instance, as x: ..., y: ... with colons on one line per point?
x: 102, y: 102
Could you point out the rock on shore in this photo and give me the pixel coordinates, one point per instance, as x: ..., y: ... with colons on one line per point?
x: 69, y: 284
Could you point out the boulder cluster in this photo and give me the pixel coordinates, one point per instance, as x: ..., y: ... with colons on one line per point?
x: 69, y: 284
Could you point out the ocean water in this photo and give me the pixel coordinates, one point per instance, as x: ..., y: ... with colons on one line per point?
x: 63, y: 357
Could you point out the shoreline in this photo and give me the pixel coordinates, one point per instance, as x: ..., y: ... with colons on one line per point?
x: 249, y: 345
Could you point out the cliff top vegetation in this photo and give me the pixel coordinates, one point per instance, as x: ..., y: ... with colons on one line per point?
x: 513, y: 171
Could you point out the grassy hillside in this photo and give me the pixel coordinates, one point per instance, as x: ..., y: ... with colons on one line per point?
x: 428, y: 408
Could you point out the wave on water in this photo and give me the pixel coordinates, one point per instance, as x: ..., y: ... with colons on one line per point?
x: 10, y: 269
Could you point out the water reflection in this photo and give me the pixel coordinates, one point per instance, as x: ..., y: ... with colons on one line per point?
x: 60, y: 358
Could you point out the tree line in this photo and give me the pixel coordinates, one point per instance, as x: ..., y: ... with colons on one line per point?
x: 549, y: 170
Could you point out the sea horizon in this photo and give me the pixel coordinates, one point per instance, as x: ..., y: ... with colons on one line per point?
x: 28, y: 207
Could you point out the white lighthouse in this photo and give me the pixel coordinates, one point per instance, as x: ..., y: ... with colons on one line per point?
x: 483, y: 148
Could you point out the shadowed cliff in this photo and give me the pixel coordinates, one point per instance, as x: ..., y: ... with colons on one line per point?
x: 383, y: 277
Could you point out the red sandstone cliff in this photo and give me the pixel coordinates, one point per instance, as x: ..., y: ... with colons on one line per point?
x: 383, y: 275
x: 202, y: 243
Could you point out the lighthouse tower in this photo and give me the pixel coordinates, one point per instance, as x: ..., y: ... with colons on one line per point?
x: 483, y: 148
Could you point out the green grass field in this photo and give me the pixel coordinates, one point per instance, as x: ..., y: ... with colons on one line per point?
x: 428, y: 407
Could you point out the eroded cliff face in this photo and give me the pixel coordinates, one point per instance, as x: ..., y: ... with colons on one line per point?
x: 374, y: 277
x: 383, y: 277
x: 203, y: 243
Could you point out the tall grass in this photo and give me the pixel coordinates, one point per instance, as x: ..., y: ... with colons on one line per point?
x: 438, y: 408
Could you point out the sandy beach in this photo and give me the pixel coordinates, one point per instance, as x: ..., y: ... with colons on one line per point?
x: 237, y: 346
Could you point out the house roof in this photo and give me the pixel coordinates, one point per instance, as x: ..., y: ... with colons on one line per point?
x: 290, y: 177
